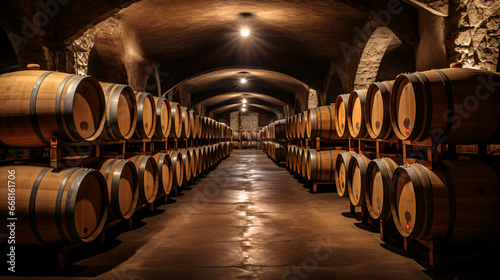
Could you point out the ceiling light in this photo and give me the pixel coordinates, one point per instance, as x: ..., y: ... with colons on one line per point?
x: 245, y: 32
x: 243, y: 109
x: 244, y: 105
x: 243, y: 80
x: 244, y: 101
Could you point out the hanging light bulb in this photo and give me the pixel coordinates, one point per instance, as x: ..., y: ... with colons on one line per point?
x: 243, y: 109
x: 245, y: 31
x: 244, y: 101
x: 244, y: 105
x: 243, y: 80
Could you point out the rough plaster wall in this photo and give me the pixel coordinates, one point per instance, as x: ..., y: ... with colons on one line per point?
x: 249, y: 121
x: 312, y: 101
x: 372, y: 56
x: 431, y: 51
x: 474, y: 33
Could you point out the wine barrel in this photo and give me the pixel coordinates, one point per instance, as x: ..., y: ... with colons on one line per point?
x: 287, y: 127
x: 356, y: 176
x: 165, y: 172
x: 454, y: 106
x: 163, y: 118
x: 186, y: 124
x: 377, y: 110
x: 194, y: 162
x: 121, y: 112
x: 341, y: 168
x: 279, y: 129
x: 280, y: 153
x: 458, y: 201
x: 195, y: 125
x: 38, y: 105
x: 293, y: 159
x: 300, y: 125
x: 147, y: 171
x: 378, y: 187
x: 177, y: 169
x: 121, y: 178
x: 298, y: 166
x: 146, y: 115
x: 199, y: 155
x: 341, y: 122
x: 356, y: 114
x: 54, y: 206
x: 204, y: 127
x: 208, y: 157
x: 187, y: 162
x: 321, y: 123
x: 176, y: 120
x: 320, y: 165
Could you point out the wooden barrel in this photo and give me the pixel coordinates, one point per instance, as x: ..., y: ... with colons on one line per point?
x: 377, y: 110
x: 294, y: 128
x: 165, y: 172
x: 38, y: 105
x: 194, y: 161
x: 321, y: 123
x: 279, y: 129
x: 53, y: 207
x: 287, y: 127
x: 279, y: 153
x: 186, y: 124
x: 320, y: 165
x: 163, y: 118
x: 177, y: 168
x: 298, y: 166
x: 195, y: 125
x: 356, y: 114
x: 356, y: 176
x: 187, y: 162
x: 204, y: 127
x: 176, y: 120
x: 199, y: 155
x: 146, y: 115
x: 341, y: 109
x: 378, y: 187
x: 455, y: 106
x: 121, y: 112
x: 458, y: 201
x: 207, y: 156
x: 121, y: 179
x: 293, y: 160
x: 147, y: 172
x: 341, y: 168
x: 300, y: 125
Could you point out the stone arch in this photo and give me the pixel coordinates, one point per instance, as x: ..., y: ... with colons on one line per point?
x: 297, y: 109
x: 383, y: 58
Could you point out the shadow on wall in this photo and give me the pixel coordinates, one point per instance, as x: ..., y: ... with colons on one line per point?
x: 8, y: 58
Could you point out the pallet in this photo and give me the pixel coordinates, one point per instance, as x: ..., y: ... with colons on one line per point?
x: 315, y: 185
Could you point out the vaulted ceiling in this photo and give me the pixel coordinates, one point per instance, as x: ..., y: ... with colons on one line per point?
x: 294, y: 45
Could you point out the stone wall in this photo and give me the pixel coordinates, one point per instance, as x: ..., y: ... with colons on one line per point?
x: 312, y: 101
x: 249, y: 121
x: 474, y: 33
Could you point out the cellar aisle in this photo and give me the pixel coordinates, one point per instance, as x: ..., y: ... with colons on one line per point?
x: 248, y: 219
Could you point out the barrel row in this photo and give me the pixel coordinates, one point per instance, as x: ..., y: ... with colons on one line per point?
x: 40, y: 105
x: 74, y: 204
x: 453, y: 105
x: 456, y: 201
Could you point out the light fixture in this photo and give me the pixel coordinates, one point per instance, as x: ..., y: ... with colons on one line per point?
x: 244, y: 101
x: 243, y: 109
x: 243, y: 80
x: 244, y: 105
x: 245, y: 30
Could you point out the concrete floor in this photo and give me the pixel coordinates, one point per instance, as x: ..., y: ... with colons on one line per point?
x: 249, y: 219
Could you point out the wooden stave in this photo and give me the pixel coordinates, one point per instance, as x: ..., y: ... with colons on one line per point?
x: 66, y: 185
x: 441, y: 88
x: 316, y: 124
x: 385, y: 89
x: 314, y: 165
x: 45, y: 83
x: 161, y: 160
x: 177, y: 169
x: 344, y: 158
x: 111, y: 130
x: 386, y: 167
x: 141, y: 163
x: 442, y: 184
x: 186, y: 124
x: 112, y: 170
x: 342, y: 100
x: 176, y: 120
x: 159, y: 134
x: 361, y: 96
x: 141, y: 131
x: 361, y: 162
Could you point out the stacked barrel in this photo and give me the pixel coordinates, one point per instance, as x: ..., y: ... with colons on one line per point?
x: 80, y: 113
x: 446, y: 200
x: 274, y: 141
